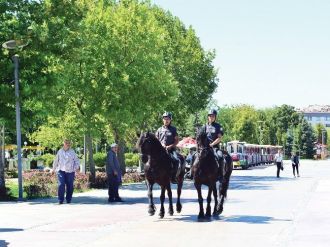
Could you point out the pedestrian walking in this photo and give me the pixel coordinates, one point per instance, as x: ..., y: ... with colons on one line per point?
x: 65, y: 165
x: 279, y: 162
x: 295, y: 164
x: 113, y: 174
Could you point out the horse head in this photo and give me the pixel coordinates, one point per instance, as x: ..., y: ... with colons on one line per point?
x: 146, y: 144
x: 202, y: 141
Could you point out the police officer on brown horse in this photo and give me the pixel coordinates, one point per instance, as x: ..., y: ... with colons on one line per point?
x: 214, y: 133
x: 168, y: 137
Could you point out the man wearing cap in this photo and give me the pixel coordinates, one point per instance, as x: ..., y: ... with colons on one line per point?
x: 168, y: 137
x: 65, y: 164
x: 214, y: 133
x: 113, y: 174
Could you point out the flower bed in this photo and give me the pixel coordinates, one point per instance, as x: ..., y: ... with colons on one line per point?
x: 44, y: 184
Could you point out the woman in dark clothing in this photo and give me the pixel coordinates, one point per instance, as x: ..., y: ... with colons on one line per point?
x: 295, y: 164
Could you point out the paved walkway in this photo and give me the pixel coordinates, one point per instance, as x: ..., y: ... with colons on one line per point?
x: 261, y: 210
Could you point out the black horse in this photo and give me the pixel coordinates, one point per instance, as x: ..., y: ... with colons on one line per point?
x: 159, y: 169
x: 206, y: 171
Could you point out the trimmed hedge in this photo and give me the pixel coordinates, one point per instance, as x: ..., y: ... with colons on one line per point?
x: 100, y: 159
x: 132, y: 159
x: 101, y: 180
x: 48, y: 159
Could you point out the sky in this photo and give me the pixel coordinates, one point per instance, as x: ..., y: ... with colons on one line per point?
x: 267, y: 52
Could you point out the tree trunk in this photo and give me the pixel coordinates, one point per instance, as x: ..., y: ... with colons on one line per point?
x: 91, y: 163
x: 121, y: 151
x: 2, y: 164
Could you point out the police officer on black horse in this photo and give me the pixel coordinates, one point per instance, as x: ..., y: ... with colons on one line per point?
x: 168, y: 137
x: 214, y: 133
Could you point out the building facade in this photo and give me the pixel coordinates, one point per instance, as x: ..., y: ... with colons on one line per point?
x: 316, y: 114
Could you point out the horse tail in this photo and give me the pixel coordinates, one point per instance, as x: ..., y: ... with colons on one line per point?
x: 226, y: 176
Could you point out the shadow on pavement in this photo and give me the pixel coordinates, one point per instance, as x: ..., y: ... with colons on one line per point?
x: 11, y: 229
x: 236, y: 183
x: 3, y: 243
x: 249, y: 219
x: 91, y: 200
x: 252, y: 219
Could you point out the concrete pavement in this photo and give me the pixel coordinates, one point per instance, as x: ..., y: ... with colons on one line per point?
x: 261, y: 210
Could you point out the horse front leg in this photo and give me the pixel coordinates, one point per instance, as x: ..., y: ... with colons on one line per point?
x: 208, y: 199
x: 169, y: 194
x: 178, y: 202
x: 151, y: 208
x: 200, y: 200
x: 162, y: 199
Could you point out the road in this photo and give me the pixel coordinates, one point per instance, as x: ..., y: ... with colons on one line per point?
x: 261, y: 210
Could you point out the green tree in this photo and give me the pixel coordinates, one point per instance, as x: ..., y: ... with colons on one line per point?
x: 189, y: 65
x: 245, y: 124
x: 308, y: 139
x: 304, y: 138
x: 321, y: 133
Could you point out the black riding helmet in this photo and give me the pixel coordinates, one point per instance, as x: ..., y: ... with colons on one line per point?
x: 167, y: 114
x: 212, y: 112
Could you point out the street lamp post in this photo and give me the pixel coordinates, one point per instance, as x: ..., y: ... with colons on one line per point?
x: 323, y: 136
x: 14, y: 45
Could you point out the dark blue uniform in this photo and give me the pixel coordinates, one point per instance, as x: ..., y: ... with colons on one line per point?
x: 166, y: 135
x: 213, y: 130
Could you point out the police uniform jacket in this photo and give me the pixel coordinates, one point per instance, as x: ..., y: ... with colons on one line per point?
x: 212, y: 131
x: 166, y: 135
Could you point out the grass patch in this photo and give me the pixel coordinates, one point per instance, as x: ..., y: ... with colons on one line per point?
x: 12, y: 186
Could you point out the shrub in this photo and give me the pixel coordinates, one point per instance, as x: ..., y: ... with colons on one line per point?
x: 44, y: 184
x: 39, y: 184
x: 133, y: 177
x: 100, y: 159
x: 101, y: 180
x: 47, y: 158
x: 81, y: 182
x: 13, y: 173
x: 132, y: 159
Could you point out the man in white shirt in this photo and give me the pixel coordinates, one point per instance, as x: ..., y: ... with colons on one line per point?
x: 279, y: 161
x: 65, y: 165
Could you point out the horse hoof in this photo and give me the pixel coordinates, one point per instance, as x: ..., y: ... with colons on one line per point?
x: 208, y: 214
x: 151, y: 211
x: 161, y: 215
x: 219, y: 210
x: 215, y: 213
x: 201, y: 216
x: 178, y: 208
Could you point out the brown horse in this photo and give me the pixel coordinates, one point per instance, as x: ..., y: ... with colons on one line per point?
x: 159, y: 169
x: 205, y: 171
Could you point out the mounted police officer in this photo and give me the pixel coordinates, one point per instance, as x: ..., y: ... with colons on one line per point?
x: 214, y: 133
x: 168, y: 137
